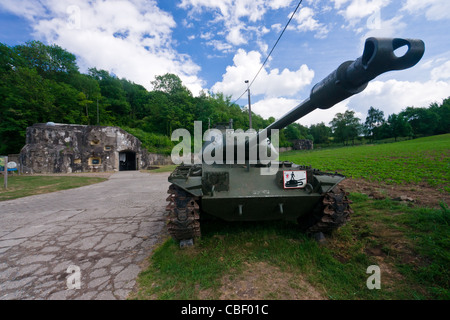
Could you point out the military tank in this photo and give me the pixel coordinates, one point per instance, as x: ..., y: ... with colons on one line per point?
x: 242, y: 190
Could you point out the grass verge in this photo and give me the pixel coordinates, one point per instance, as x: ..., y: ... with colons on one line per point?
x: 23, y: 186
x: 159, y: 169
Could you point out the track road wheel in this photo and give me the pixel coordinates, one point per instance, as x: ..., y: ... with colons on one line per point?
x: 183, y: 215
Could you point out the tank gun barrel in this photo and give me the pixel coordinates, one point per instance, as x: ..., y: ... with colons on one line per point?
x: 352, y: 77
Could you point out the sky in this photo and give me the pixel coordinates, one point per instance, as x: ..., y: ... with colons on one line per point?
x: 216, y: 45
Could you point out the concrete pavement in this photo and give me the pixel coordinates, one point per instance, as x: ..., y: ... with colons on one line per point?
x: 84, y: 243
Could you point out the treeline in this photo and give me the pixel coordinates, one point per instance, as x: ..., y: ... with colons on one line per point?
x: 41, y: 83
x: 411, y: 122
x: 346, y: 128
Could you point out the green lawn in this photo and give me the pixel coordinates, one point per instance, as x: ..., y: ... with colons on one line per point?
x: 25, y: 185
x: 424, y: 160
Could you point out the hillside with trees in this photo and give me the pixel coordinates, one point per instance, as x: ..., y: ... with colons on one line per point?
x: 41, y: 83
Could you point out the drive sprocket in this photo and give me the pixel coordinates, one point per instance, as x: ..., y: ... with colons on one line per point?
x: 330, y: 214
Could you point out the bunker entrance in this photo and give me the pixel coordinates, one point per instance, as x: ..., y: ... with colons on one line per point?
x: 127, y: 160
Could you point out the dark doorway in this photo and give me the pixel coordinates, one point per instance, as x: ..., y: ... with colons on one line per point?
x: 127, y: 160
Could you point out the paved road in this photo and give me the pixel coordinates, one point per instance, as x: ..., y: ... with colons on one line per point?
x: 93, y: 237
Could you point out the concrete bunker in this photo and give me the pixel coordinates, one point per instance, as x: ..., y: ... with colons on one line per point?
x: 66, y: 148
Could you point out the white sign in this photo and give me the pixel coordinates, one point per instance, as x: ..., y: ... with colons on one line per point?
x: 12, y: 165
x: 294, y: 179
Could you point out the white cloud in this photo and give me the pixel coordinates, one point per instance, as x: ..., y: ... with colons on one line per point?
x: 278, y: 107
x: 220, y: 45
x: 433, y: 9
x: 306, y: 22
x: 25, y: 8
x: 277, y: 4
x: 273, y: 107
x: 393, y: 96
x: 236, y: 15
x: 356, y: 10
x: 270, y: 84
x: 339, y: 3
x: 277, y: 27
x: 385, y: 28
x: 235, y: 36
x: 133, y: 39
x: 442, y: 72
x: 325, y: 116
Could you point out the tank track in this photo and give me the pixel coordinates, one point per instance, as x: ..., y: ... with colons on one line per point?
x: 183, y: 214
x: 333, y: 212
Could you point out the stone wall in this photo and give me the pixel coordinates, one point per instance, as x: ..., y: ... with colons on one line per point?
x: 156, y: 159
x: 65, y: 148
x: 303, y: 144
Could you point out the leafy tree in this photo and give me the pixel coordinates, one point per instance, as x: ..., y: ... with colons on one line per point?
x: 374, y: 119
x: 443, y: 112
x: 346, y: 126
x: 115, y: 97
x: 9, y: 59
x: 320, y: 133
x: 399, y: 126
x: 51, y: 62
x: 169, y: 83
x: 26, y: 99
x: 423, y: 121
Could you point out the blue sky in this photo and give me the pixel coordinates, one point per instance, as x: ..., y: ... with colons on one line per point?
x: 216, y: 45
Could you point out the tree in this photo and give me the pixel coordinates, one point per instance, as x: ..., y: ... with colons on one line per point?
x: 296, y: 131
x: 423, y: 121
x: 346, y: 126
x: 115, y: 97
x: 26, y: 98
x: 443, y: 112
x: 374, y: 119
x: 320, y: 132
x: 169, y: 83
x: 399, y: 126
x: 51, y: 62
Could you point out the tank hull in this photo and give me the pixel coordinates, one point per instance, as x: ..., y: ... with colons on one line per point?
x: 238, y: 193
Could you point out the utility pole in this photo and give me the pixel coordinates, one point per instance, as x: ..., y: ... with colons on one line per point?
x: 98, y: 118
x: 249, y: 105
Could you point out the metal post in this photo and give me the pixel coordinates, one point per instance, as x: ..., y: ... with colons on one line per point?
x: 98, y: 118
x: 6, y: 172
x: 249, y: 105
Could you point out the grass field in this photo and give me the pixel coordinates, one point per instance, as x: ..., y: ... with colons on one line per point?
x: 425, y: 160
x: 409, y: 243
x: 25, y: 185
